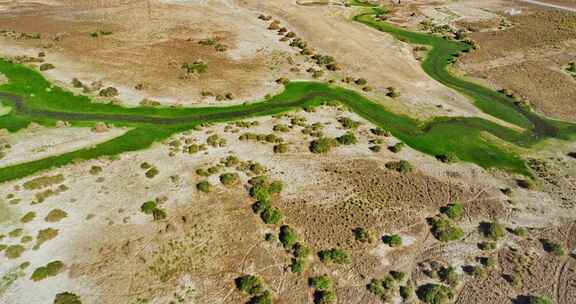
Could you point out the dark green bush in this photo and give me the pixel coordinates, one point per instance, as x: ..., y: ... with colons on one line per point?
x: 323, y: 145
x: 51, y: 269
x: 260, y: 192
x: 453, y: 211
x: 393, y: 240
x: 397, y: 147
x: 159, y: 214
x: 281, y: 148
x: 249, y: 284
x: 347, y: 139
x: 398, y: 275
x: 447, y: 158
x: 288, y: 237
x: 445, y: 231
x: 492, y: 230
x: 297, y: 265
x: 538, y: 300
x: 348, y: 123
x: 67, y: 298
x: 204, y: 186
x: 434, y: 294
x: 229, y: 179
x: 487, y: 246
x: 322, y: 282
x: 334, y: 255
x: 406, y: 292
x: 271, y: 215
x: 324, y: 297
x: 401, y: 166
x: 449, y: 276
x: 259, y: 206
x: 148, y: 207
x: 362, y: 235
x: 552, y: 247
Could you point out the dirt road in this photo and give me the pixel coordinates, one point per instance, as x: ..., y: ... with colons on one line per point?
x: 550, y: 5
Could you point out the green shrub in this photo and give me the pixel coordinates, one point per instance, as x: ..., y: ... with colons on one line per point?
x: 322, y: 282
x: 393, y: 240
x: 448, y: 158
x: 301, y: 251
x: 488, y: 262
x: 448, y: 275
x: 375, y: 149
x: 249, y: 284
x: 270, y: 237
x: 108, y: 92
x: 397, y: 147
x: 382, y: 288
x: 46, y: 67
x: 337, y: 256
x: 231, y: 161
x: 347, y: 139
x: 151, y: 172
x: 401, y: 166
x: 281, y: 128
x: 445, y: 231
x: 398, y: 275
x: 16, y: 233
x: 281, y: 148
x: 362, y: 235
x: 159, y: 214
x: 229, y: 179
x: 519, y: 231
x: 55, y: 215
x: 348, y: 123
x: 552, y: 247
x: 263, y: 298
x: 204, y: 186
x: 67, y: 298
x: 259, y: 206
x: 298, y: 265
x: 271, y: 215
x: 51, y: 269
x: 148, y: 207
x: 260, y: 192
x: 406, y: 292
x: 380, y: 132
x: 538, y: 300
x: 13, y: 251
x: 288, y: 237
x: 492, y: 230
x: 44, y: 235
x: 275, y: 187
x: 434, y: 294
x: 323, y: 145
x: 453, y: 211
x: 324, y: 297
x: 487, y: 246
x: 28, y: 217
x: 361, y: 81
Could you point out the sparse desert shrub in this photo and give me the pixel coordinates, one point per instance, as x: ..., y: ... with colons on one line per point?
x: 13, y: 251
x: 46, y: 67
x: 519, y: 231
x: 382, y: 288
x: 204, y: 186
x: 322, y: 282
x: 347, y: 139
x: 301, y: 251
x: 249, y: 284
x: 492, y: 230
x: 259, y: 206
x: 375, y: 148
x: 55, y: 215
x: 380, y: 132
x: 298, y: 265
x: 197, y: 66
x: 260, y: 192
x: 288, y: 237
x: 95, y: 170
x: 263, y: 298
x: 361, y: 81
x: 271, y: 215
x: 152, y: 172
x: 552, y: 247
x: 538, y: 300
x: 270, y: 237
x: 401, y: 166
x: 67, y: 298
x: 393, y: 240
x: 28, y: 217
x: 434, y: 294
x: 324, y: 297
x: 44, y: 236
x: 448, y: 158
x: 393, y: 92
x: 488, y: 262
x: 406, y: 292
x: 77, y: 83
x: 108, y: 92
x: 51, y: 269
x: 453, y: 211
x: 148, y: 207
x: 145, y: 166
x: 449, y: 276
x: 322, y: 145
x: 334, y: 255
x: 216, y: 141
x: 281, y: 128
x: 362, y: 235
x: 281, y: 148
x: 397, y: 147
x: 229, y: 179
x: 159, y: 214
x: 398, y: 275
x: 348, y: 123
x: 445, y: 231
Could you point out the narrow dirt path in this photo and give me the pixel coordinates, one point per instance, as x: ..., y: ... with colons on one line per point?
x: 550, y: 5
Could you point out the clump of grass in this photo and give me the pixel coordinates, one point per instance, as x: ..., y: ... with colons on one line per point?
x: 397, y: 147
x: 348, y: 123
x: 444, y: 230
x: 519, y: 231
x: 362, y: 235
x: 382, y: 288
x: 552, y: 247
x: 55, y: 215
x: 152, y: 172
x: 406, y: 292
x: 249, y: 284
x: 51, y: 269
x: 334, y: 255
x: 204, y: 186
x: 487, y: 246
x: 16, y: 233
x: 44, y: 236
x: 43, y: 182
x: 538, y: 300
x: 271, y: 215
x: 401, y: 166
x: 148, y: 207
x: 435, y: 294
x: 323, y: 145
x: 492, y: 230
x: 393, y: 240
x: 453, y: 211
x: 13, y: 251
x: 322, y: 282
x: 28, y: 217
x: 281, y: 148
x: 67, y: 298
x: 229, y: 179
x: 347, y: 139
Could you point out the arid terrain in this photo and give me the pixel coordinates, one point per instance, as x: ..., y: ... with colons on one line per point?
x: 249, y: 151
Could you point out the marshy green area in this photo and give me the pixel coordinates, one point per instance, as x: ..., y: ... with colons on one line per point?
x: 33, y: 99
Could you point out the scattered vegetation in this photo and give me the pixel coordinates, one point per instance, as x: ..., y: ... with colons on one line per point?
x: 13, y: 251
x: 44, y: 236
x: 288, y: 236
x: 51, y: 269
x: 43, y: 182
